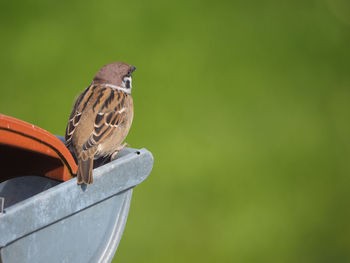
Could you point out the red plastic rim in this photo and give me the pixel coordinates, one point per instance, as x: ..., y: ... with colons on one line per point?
x: 30, y: 150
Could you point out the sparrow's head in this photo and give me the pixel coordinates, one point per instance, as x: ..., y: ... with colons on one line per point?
x: 116, y: 74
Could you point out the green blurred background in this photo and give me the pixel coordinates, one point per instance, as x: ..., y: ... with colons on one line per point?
x: 244, y: 104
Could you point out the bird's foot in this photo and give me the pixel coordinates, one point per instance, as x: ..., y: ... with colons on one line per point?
x: 119, y: 148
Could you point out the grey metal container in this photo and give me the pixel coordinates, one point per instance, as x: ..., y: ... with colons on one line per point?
x: 48, y: 221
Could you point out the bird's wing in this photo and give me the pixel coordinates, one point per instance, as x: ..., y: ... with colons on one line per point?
x: 110, y: 114
x: 75, y: 115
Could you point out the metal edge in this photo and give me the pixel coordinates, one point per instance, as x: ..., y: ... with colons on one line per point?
x: 117, y: 231
x: 68, y: 198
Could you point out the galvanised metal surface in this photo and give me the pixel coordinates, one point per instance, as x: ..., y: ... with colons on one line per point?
x: 67, y: 222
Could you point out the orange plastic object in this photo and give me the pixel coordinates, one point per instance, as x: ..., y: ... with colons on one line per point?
x: 29, y: 150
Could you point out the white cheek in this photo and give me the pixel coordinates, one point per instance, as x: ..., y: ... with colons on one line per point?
x: 125, y: 80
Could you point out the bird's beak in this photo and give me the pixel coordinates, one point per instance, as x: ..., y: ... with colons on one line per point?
x: 132, y: 69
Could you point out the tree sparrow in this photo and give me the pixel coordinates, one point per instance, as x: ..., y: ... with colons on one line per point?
x: 101, y: 118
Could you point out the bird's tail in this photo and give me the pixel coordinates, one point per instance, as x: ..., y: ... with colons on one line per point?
x: 84, y: 174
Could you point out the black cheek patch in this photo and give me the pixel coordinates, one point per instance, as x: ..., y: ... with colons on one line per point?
x: 127, y: 84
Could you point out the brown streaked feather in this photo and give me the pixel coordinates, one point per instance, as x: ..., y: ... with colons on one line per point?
x: 110, y: 115
x: 74, y: 118
x: 73, y: 122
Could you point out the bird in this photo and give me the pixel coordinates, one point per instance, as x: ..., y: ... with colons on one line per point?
x: 101, y: 118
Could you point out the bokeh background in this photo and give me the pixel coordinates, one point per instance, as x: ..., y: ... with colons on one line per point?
x: 244, y: 104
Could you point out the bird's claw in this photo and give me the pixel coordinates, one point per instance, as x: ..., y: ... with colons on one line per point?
x: 119, y: 148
